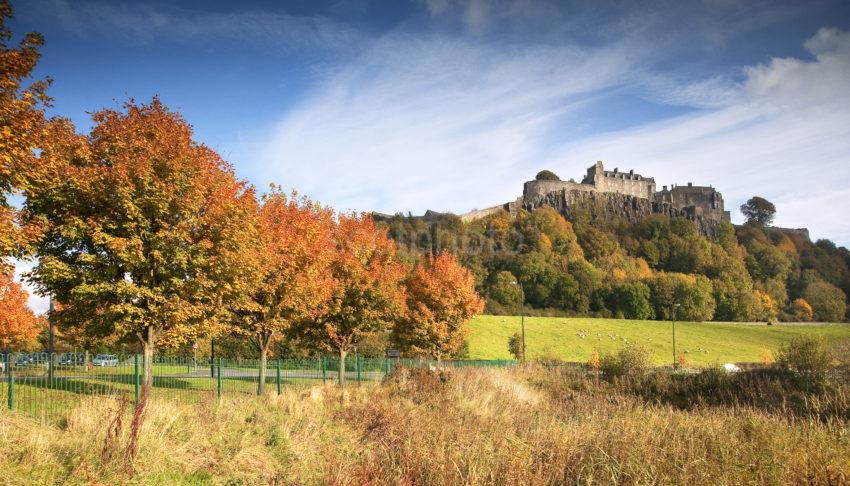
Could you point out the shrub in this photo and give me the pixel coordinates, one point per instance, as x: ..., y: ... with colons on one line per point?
x: 547, y: 175
x: 515, y: 346
x: 681, y: 360
x: 631, y: 361
x: 805, y: 355
x: 595, y: 362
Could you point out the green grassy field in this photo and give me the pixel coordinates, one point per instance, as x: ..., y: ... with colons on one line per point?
x: 574, y: 339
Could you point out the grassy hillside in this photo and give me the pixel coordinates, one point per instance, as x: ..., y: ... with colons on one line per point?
x: 574, y: 339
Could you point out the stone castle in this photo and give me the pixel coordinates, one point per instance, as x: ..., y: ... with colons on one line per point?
x: 628, y: 195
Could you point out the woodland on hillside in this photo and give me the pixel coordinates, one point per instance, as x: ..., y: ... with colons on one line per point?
x: 659, y: 268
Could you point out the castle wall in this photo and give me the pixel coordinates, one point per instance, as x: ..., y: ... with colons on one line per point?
x: 614, y: 194
x: 627, y: 183
x: 609, y: 206
x: 702, y: 201
x: 533, y: 189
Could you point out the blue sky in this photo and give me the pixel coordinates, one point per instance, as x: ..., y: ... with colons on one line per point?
x: 452, y: 104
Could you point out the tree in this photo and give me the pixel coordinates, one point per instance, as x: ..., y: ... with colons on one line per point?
x: 546, y: 175
x: 767, y: 261
x: 18, y: 325
x: 631, y: 299
x: 828, y: 301
x: 505, y: 290
x: 768, y: 310
x: 758, y: 210
x: 692, y: 294
x: 144, y: 230
x: 291, y: 270
x: 441, y: 299
x: 802, y: 310
x: 21, y: 126
x: 367, y: 295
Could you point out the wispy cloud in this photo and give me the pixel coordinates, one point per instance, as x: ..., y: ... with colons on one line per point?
x: 150, y: 23
x: 446, y: 124
x: 431, y: 121
x: 786, y: 137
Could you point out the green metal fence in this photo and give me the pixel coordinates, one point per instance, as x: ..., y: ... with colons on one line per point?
x: 45, y: 386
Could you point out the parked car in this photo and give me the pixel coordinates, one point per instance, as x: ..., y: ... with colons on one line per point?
x: 25, y: 359
x: 105, y: 360
x: 71, y: 359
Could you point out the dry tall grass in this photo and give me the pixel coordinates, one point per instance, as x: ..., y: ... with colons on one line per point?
x: 472, y: 426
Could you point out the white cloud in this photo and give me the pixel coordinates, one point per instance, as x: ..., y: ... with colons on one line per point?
x: 37, y: 303
x: 446, y: 124
x: 787, y: 138
x: 422, y: 122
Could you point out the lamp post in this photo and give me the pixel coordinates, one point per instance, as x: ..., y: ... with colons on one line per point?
x: 675, y: 312
x: 50, y: 340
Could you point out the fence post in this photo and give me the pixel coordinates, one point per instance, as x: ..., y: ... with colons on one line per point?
x: 278, y: 376
x: 11, y: 379
x: 357, y: 360
x: 219, y: 378
x: 324, y: 369
x: 386, y: 367
x: 136, y: 376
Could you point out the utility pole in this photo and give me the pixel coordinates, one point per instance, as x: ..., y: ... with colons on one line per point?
x: 675, y: 312
x: 522, y: 318
x: 521, y: 314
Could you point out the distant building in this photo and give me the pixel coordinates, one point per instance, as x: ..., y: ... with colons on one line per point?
x: 619, y: 182
x: 695, y: 202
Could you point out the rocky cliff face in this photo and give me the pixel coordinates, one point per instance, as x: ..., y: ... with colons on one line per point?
x: 608, y: 206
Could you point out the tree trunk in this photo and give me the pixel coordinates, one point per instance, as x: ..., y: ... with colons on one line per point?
x: 342, y: 354
x: 147, y: 379
x: 264, y: 348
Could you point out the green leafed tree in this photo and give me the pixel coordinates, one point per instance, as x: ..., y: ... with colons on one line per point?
x: 505, y: 290
x: 758, y: 210
x: 631, y: 300
x: 828, y: 301
x: 680, y: 296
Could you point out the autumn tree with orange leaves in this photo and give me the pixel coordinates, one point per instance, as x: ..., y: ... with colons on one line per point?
x: 22, y: 125
x: 367, y: 294
x: 441, y: 299
x: 290, y: 270
x: 18, y: 325
x: 146, y: 229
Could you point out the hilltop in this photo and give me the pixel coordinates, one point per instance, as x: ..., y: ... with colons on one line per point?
x: 613, y: 245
